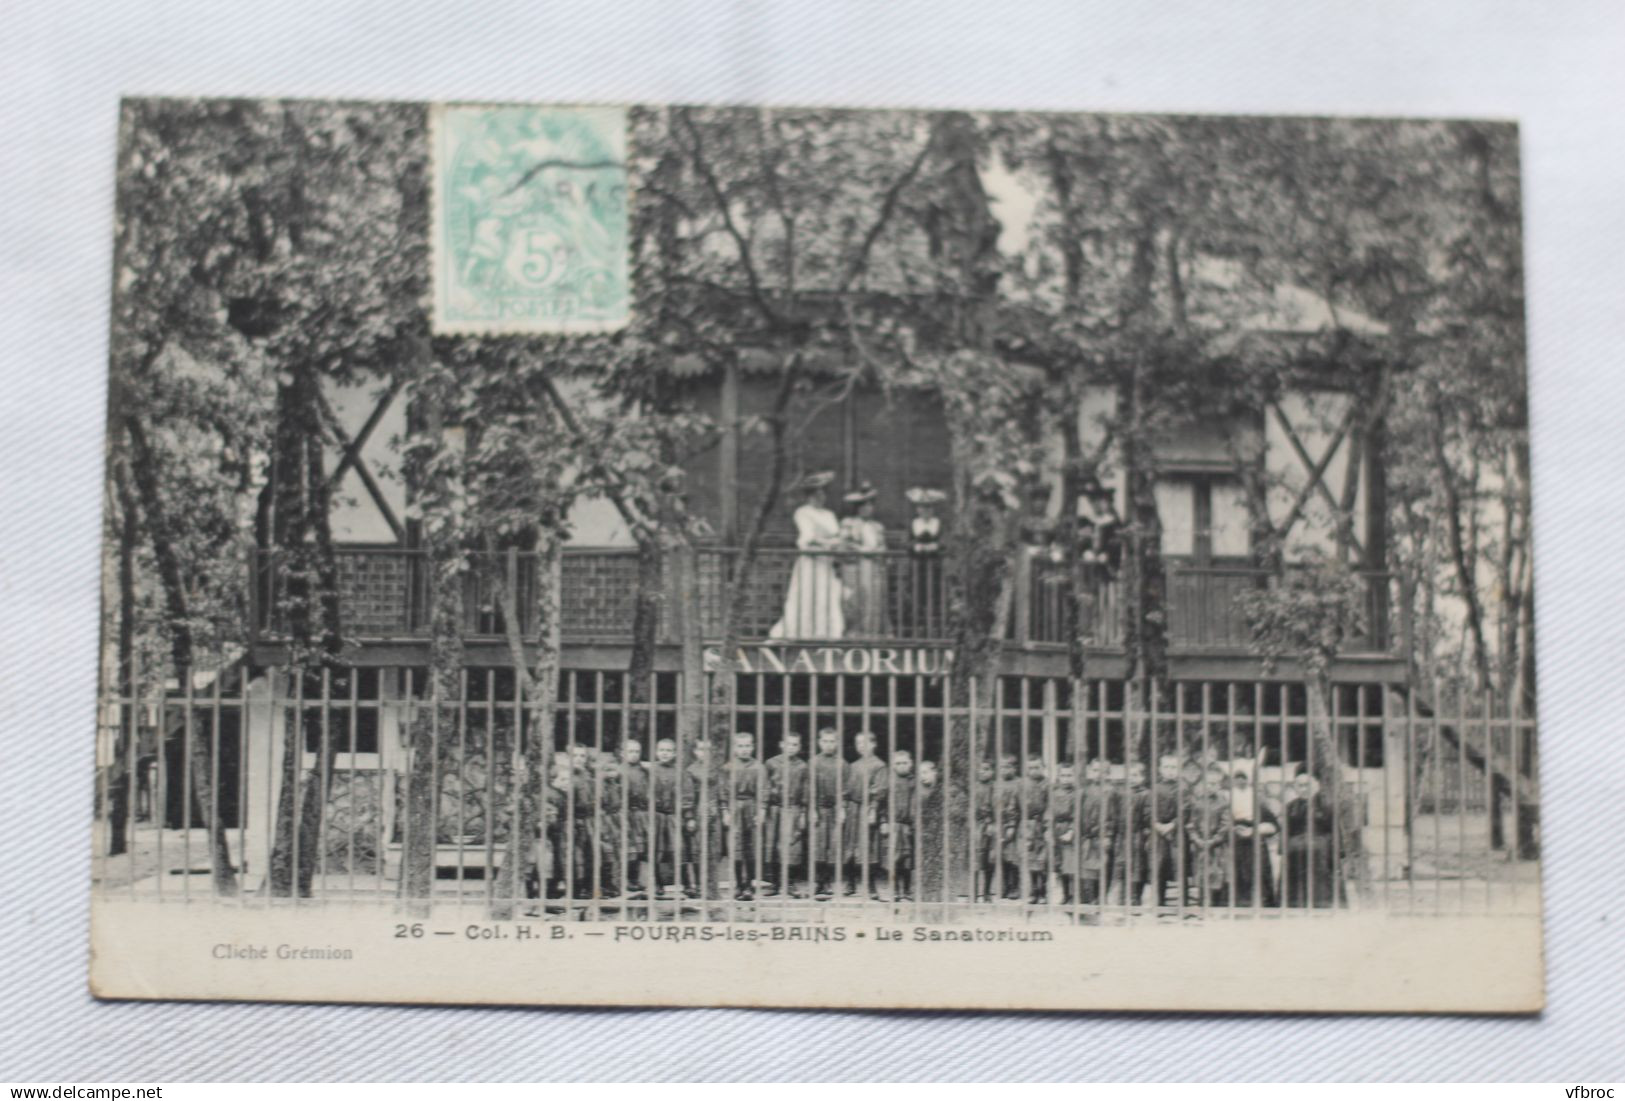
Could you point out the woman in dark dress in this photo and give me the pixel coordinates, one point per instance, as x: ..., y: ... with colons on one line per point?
x: 1311, y: 869
x: 1252, y: 824
x: 924, y: 615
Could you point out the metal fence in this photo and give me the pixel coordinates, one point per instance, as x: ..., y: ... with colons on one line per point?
x: 809, y: 795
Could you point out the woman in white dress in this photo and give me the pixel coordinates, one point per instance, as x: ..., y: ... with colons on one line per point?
x: 812, y: 602
x: 864, y: 571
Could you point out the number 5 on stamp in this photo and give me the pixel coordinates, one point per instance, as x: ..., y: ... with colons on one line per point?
x: 529, y: 219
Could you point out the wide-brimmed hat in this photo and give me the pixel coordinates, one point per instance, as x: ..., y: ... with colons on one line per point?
x: 864, y: 492
x: 816, y: 480
x: 919, y: 495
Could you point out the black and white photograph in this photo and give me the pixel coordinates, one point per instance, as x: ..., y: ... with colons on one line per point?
x: 586, y: 540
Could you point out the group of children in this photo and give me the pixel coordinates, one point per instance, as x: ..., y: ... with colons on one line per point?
x: 1204, y: 834
x: 618, y: 827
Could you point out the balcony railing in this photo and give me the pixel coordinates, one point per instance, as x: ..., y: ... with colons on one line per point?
x: 800, y: 596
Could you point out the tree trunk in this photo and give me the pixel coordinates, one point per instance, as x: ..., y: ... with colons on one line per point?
x: 1328, y: 769
x: 540, y: 683
x: 304, y: 513
x: 724, y: 680
x: 430, y: 751
x: 1145, y: 624
x: 1083, y: 580
x: 144, y: 473
x: 1459, y: 551
x: 983, y: 576
x: 121, y: 776
x: 646, y: 609
x: 688, y: 608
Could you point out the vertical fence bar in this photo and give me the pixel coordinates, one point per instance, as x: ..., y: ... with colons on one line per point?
x: 1010, y: 719
x: 917, y: 856
x: 708, y: 822
x: 1461, y: 790
x: 1231, y: 863
x: 1510, y: 709
x: 791, y: 823
x: 973, y: 847
x: 278, y: 706
x: 293, y: 767
x: 572, y: 851
x: 409, y: 719
x: 1052, y: 756
x: 462, y: 790
x: 1117, y: 798
x: 843, y: 772
x: 132, y: 711
x: 1514, y: 709
x: 1207, y: 816
x: 1362, y: 800
x: 324, y: 778
x: 515, y: 849
x: 242, y: 767
x: 1436, y: 768
x: 1266, y: 888
x: 436, y: 785
x: 355, y: 818
x: 1413, y: 794
x: 814, y: 812
x: 187, y: 736
x: 652, y: 885
x: 1387, y: 803
x: 387, y: 781
x: 1153, y: 850
x: 596, y: 774
x: 488, y: 886
x: 1288, y: 794
x: 1492, y: 823
x: 757, y: 823
x: 1103, y: 822
x: 999, y: 808
x: 216, y: 827
x: 1178, y: 833
x: 160, y: 804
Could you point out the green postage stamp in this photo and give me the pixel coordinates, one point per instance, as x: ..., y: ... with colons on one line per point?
x: 529, y: 219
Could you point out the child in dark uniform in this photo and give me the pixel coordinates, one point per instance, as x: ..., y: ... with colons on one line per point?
x: 1167, y: 834
x: 1064, y: 799
x: 786, y: 840
x: 985, y: 840
x: 632, y: 817
x: 1034, y: 847
x: 1007, y: 825
x: 672, y: 796
x: 704, y: 849
x: 744, y: 810
x: 900, y: 823
x: 827, y: 814
x: 865, y: 784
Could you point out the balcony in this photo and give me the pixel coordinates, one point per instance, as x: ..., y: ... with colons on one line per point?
x: 891, y: 597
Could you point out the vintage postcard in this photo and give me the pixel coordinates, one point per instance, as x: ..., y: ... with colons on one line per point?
x: 645, y: 555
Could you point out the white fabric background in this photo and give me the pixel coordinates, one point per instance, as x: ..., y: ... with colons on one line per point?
x: 1558, y: 67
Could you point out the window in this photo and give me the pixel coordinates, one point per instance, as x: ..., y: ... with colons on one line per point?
x: 1203, y: 515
